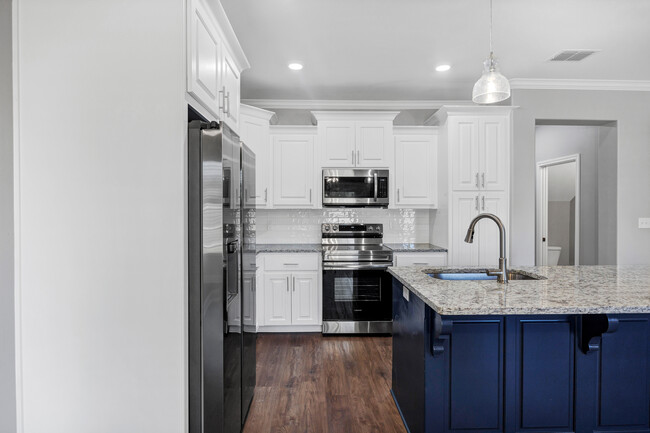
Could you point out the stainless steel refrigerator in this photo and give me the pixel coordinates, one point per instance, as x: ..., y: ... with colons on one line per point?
x: 221, y: 224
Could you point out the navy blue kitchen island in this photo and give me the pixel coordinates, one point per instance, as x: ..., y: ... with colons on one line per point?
x: 567, y: 353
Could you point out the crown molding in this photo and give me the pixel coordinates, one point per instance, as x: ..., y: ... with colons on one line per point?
x: 440, y: 116
x: 258, y: 113
x: 323, y: 116
x: 573, y: 84
x: 293, y: 129
x: 415, y: 130
x: 345, y: 104
x: 229, y: 35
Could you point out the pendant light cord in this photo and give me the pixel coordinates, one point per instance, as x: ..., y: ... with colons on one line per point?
x: 490, y: 27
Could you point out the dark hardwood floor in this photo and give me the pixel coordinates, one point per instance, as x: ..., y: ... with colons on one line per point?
x: 311, y: 384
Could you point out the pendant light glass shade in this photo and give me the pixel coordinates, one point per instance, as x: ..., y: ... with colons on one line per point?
x: 492, y: 87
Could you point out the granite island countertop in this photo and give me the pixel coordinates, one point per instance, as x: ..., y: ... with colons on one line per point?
x: 565, y: 290
x: 289, y: 248
x: 416, y: 248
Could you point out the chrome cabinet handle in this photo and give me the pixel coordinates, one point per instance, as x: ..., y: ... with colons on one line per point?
x: 294, y: 284
x: 483, y: 202
x: 358, y: 158
x: 420, y: 263
x: 266, y: 195
x: 476, y: 179
x: 476, y: 206
x: 398, y: 195
x: 483, y: 180
x: 353, y: 157
x: 309, y: 195
x: 222, y: 100
x: 226, y: 108
x: 375, y: 180
x: 246, y: 197
x: 287, y: 284
x: 291, y: 264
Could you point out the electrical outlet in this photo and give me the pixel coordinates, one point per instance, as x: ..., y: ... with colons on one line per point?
x: 406, y: 293
x: 644, y: 223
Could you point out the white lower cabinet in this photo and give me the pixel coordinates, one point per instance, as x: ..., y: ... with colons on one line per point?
x: 291, y: 299
x: 420, y: 258
x: 484, y: 251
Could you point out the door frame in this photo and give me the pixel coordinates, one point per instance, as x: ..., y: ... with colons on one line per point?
x: 541, y: 199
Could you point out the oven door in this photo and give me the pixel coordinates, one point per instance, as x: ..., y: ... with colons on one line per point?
x: 348, y: 187
x: 356, y: 293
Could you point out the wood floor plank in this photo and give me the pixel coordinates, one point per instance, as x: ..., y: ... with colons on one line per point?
x: 309, y: 383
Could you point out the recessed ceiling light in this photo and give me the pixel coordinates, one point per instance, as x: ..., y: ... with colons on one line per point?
x: 443, y: 68
x: 295, y: 66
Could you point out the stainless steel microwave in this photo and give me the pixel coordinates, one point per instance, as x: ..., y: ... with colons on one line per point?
x: 355, y: 187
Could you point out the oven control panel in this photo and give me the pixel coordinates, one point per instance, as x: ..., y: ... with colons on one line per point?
x: 352, y: 228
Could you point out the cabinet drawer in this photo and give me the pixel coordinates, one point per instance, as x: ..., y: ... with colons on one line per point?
x: 291, y: 262
x: 427, y: 259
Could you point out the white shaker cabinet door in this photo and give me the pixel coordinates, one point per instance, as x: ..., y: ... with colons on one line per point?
x: 205, y: 52
x: 277, y: 299
x: 255, y: 134
x: 493, y: 153
x: 231, y: 90
x: 465, y: 206
x: 337, y: 144
x: 373, y: 144
x: 487, y: 232
x: 293, y: 171
x: 415, y: 169
x: 248, y: 289
x: 306, y: 299
x: 464, y: 147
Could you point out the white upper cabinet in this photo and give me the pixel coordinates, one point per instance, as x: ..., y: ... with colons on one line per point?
x: 416, y: 167
x: 479, y: 147
x: 355, y: 138
x: 255, y: 133
x: 215, y: 61
x: 294, y: 174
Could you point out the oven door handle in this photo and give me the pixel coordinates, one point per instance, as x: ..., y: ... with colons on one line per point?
x: 354, y: 266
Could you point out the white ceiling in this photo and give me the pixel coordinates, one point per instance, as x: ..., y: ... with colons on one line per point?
x: 387, y: 49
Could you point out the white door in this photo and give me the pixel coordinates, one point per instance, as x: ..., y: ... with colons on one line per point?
x: 231, y: 83
x: 205, y: 59
x: 255, y: 134
x: 414, y: 165
x: 293, y: 171
x: 465, y: 206
x: 248, y: 289
x: 464, y: 147
x: 305, y: 303
x: 337, y: 144
x: 277, y: 299
x: 487, y: 232
x: 493, y: 153
x: 373, y: 142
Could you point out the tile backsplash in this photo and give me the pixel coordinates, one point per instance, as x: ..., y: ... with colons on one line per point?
x: 304, y: 225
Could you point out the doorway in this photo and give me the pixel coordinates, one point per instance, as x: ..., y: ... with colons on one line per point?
x: 558, y: 207
x: 576, y: 192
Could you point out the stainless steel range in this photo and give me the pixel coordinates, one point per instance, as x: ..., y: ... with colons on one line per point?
x: 356, y: 286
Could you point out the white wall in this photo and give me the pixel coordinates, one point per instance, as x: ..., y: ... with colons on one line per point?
x: 304, y: 225
x: 102, y: 239
x: 7, y: 353
x: 607, y: 206
x: 631, y: 111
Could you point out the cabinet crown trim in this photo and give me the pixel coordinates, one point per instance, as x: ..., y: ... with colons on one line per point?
x: 293, y: 129
x: 415, y: 130
x: 257, y: 113
x: 326, y: 116
x: 440, y: 116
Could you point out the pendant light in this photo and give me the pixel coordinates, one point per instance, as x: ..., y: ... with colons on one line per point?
x: 492, y: 87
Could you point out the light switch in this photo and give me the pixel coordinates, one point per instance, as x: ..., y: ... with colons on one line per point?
x: 405, y: 293
x: 644, y: 223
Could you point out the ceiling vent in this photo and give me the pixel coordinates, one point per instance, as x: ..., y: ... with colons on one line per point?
x: 572, y: 55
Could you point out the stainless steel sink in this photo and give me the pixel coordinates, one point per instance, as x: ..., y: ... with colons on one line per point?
x: 482, y: 274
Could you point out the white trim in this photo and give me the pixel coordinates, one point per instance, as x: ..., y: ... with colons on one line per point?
x: 293, y: 129
x: 415, y: 130
x: 291, y: 328
x: 325, y: 116
x: 18, y: 317
x: 344, y: 104
x: 440, y: 116
x: 229, y: 34
x: 577, y: 84
x: 541, y: 217
x: 258, y: 113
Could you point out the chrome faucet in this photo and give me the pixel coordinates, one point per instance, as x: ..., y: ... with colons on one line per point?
x: 502, y: 273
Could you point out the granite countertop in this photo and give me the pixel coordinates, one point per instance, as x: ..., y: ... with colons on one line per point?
x: 566, y: 290
x: 289, y: 248
x: 416, y: 248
